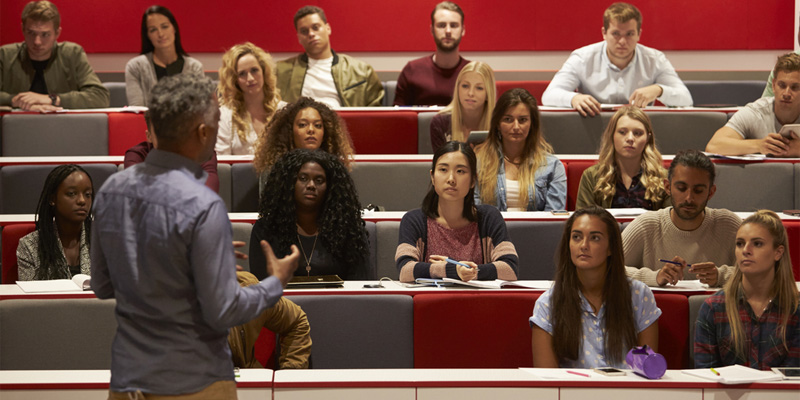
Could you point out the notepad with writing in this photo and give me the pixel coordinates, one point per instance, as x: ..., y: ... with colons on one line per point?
x: 78, y: 282
x: 734, y: 375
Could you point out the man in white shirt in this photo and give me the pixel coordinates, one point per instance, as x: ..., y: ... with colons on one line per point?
x: 335, y: 79
x: 754, y: 128
x: 617, y: 70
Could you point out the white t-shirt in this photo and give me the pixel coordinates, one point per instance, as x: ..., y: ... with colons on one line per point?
x: 512, y: 196
x: 318, y: 83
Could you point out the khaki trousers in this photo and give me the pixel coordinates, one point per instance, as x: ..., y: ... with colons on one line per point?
x: 223, y: 390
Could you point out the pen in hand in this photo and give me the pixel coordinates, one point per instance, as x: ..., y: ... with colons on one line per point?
x: 450, y: 260
x: 672, y: 262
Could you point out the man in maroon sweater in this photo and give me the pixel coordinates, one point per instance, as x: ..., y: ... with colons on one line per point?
x: 430, y: 80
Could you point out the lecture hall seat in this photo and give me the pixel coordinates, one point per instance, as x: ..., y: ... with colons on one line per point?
x: 11, y: 236
x: 382, y: 132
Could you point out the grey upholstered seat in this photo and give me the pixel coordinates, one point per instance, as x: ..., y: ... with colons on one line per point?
x: 244, y: 188
x: 424, y: 132
x: 21, y: 185
x: 389, y: 88
x: 55, y: 135
x: 397, y: 186
x: 354, y: 331
x: 225, y: 189
x: 569, y: 133
x: 51, y: 334
x: 753, y: 186
x: 388, y: 235
x: 725, y: 92
x: 685, y: 130
x: 118, y: 92
x: 694, y: 307
x: 536, y: 243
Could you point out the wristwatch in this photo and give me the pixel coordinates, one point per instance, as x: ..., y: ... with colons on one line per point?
x: 53, y: 98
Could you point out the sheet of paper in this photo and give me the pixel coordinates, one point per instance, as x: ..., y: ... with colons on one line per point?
x: 56, y: 285
x: 734, y: 374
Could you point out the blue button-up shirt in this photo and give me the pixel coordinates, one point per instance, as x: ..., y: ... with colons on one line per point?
x: 162, y: 246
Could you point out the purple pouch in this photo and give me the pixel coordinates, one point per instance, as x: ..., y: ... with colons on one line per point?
x: 646, y: 362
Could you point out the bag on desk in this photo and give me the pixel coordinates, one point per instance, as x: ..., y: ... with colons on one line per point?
x: 646, y: 362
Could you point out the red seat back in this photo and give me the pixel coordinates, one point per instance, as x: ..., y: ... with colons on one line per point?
x: 10, y: 239
x: 382, y: 132
x: 467, y: 330
x: 574, y: 172
x: 125, y: 130
x: 673, y: 329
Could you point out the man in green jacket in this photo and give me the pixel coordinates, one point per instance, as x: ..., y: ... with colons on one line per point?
x: 43, y: 75
x: 335, y: 79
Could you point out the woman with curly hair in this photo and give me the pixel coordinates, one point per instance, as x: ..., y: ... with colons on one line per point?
x: 517, y: 170
x: 593, y: 314
x: 162, y: 55
x: 248, y: 98
x: 304, y: 124
x: 450, y: 227
x: 629, y: 172
x: 59, y: 247
x: 311, y: 201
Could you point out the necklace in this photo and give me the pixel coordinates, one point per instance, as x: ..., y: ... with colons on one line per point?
x: 511, y: 162
x: 308, y: 258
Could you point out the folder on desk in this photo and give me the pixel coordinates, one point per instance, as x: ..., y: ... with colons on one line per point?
x: 734, y: 375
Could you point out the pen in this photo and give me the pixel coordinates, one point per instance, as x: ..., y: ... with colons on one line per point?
x: 673, y: 262
x: 450, y: 260
x: 715, y: 372
x: 578, y: 373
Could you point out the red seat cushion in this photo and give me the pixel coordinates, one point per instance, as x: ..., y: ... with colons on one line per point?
x: 10, y: 239
x: 574, y: 172
x: 673, y: 329
x: 124, y: 131
x: 793, y: 237
x: 465, y: 330
x: 382, y: 132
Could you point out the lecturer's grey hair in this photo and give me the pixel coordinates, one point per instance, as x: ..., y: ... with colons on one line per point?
x: 177, y: 103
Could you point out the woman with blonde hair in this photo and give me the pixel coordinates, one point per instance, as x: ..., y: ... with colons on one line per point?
x: 755, y: 320
x: 471, y: 108
x: 248, y: 98
x: 629, y: 172
x: 517, y: 170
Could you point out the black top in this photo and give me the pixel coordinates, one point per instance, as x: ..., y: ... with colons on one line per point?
x: 171, y: 69
x: 38, y: 84
x: 322, y: 261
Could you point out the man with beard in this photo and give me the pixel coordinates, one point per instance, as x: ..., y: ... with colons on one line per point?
x: 698, y: 241
x: 617, y: 70
x: 337, y: 80
x: 430, y: 80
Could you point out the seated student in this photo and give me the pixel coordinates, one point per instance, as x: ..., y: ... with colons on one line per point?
x: 286, y: 319
x: 311, y: 201
x: 41, y: 74
x: 592, y: 292
x: 629, y: 172
x: 449, y: 225
x: 139, y: 152
x: 304, y: 124
x: 471, y: 108
x: 754, y: 128
x: 59, y: 247
x: 517, y: 170
x: 335, y: 79
x: 755, y: 320
x: 162, y: 55
x: 248, y: 98
x: 617, y: 70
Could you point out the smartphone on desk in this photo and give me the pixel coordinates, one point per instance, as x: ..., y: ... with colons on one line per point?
x: 608, y: 371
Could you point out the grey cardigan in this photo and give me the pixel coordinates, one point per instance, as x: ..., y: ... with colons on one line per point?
x: 140, y: 76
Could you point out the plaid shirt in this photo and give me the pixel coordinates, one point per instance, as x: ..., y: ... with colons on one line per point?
x: 632, y: 197
x: 713, y: 346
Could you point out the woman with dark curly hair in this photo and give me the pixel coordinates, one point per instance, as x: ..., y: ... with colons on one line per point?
x: 311, y: 201
x: 304, y: 124
x: 59, y: 247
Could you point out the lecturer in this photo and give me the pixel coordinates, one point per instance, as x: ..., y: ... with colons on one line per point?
x: 162, y: 246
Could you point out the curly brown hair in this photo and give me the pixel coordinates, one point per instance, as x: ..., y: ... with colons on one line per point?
x: 278, y: 137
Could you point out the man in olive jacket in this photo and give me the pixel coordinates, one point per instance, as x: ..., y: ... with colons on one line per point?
x: 335, y: 79
x: 40, y: 74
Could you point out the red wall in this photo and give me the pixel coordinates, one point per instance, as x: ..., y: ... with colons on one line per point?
x: 103, y: 26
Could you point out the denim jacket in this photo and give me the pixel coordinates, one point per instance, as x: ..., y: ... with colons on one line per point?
x: 550, y: 182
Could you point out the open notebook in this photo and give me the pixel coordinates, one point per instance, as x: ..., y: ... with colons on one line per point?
x: 734, y: 374
x: 78, y: 282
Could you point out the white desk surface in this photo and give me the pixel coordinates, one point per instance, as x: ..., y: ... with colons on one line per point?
x: 248, y: 377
